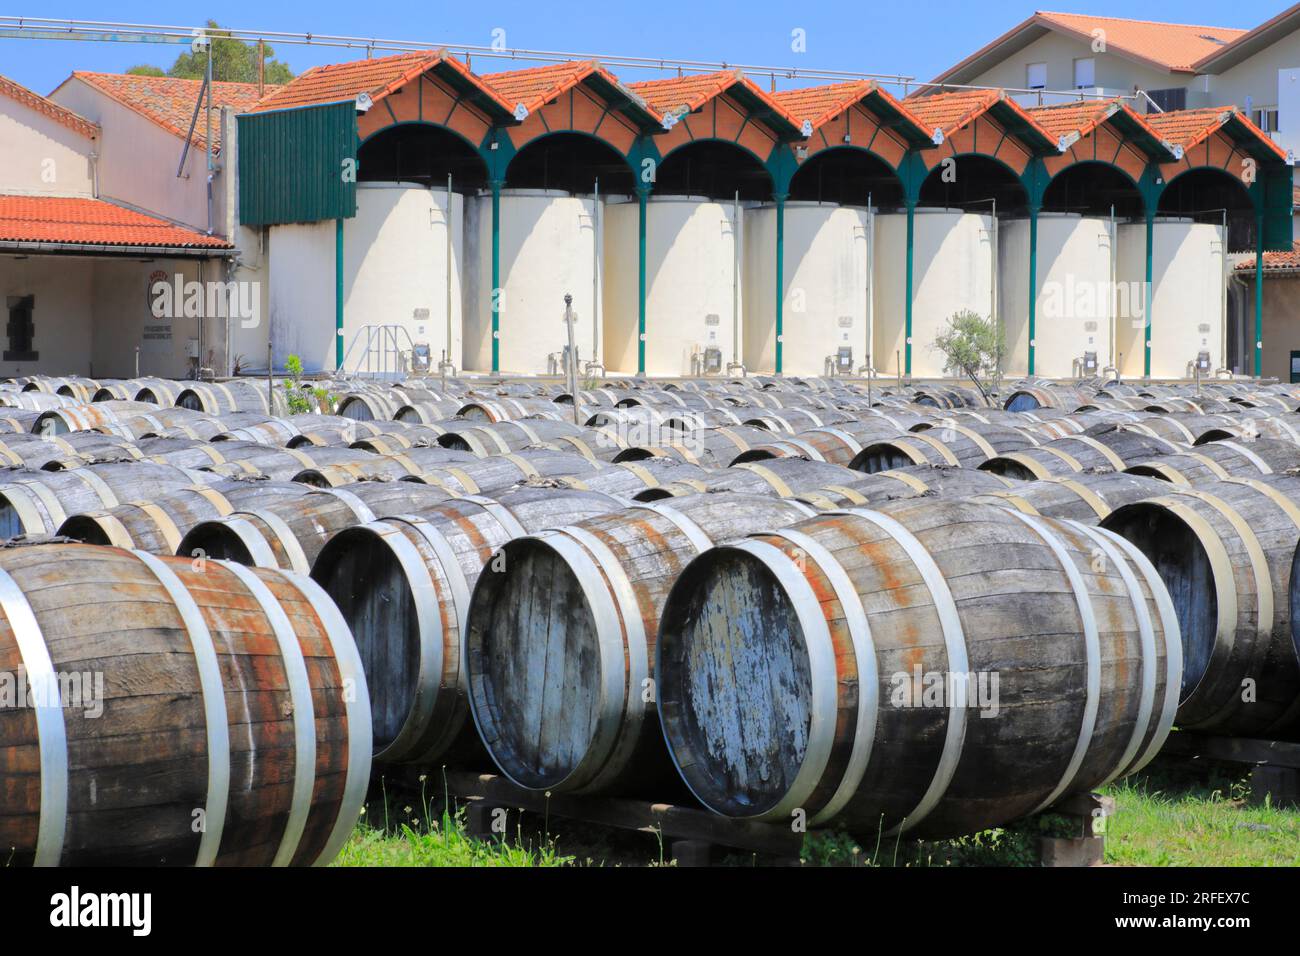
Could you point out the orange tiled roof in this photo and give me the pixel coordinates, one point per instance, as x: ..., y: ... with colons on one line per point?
x: 1275, y: 261
x: 1186, y: 128
x: 169, y: 101
x: 950, y: 111
x: 821, y: 104
x: 536, y: 86
x: 377, y: 77
x: 685, y: 93
x: 47, y: 107
x: 1174, y: 46
x: 1069, y: 121
x: 38, y: 219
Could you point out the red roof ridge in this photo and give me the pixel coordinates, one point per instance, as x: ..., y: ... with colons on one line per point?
x: 1154, y: 23
x: 84, y: 221
x: 46, y: 106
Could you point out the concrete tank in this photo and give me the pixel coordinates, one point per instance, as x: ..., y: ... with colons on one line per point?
x: 1187, y: 278
x: 1075, y: 309
x: 953, y: 265
x: 397, y: 271
x: 825, y: 288
x: 691, y: 286
x: 548, y: 248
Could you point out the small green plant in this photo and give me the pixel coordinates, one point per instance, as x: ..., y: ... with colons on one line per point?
x: 301, y: 397
x: 972, y: 346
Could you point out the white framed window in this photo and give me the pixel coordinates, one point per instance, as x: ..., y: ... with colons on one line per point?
x: 1036, y: 76
x: 1085, y: 73
x: 1265, y: 118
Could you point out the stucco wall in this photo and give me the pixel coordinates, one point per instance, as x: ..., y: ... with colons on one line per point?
x: 39, y: 155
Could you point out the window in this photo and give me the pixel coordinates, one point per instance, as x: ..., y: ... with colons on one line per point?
x: 20, y: 329
x: 1170, y: 99
x: 1085, y: 74
x: 1036, y: 76
x: 1265, y: 119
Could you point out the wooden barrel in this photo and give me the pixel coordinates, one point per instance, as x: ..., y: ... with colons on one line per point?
x: 782, y: 477
x: 704, y: 418
x: 837, y: 444
x: 288, y: 532
x: 278, y: 432
x: 403, y: 585
x: 36, y: 401
x: 408, y: 464
x: 950, y: 396
x: 1085, y: 497
x: 561, y: 634
x: 221, y: 398
x: 37, y: 502
x: 793, y: 420
x: 502, y: 409
x: 500, y: 472
x: 282, y: 464
x: 1236, y: 428
x: 1104, y: 449
x: 499, y: 438
x: 373, y: 406
x: 219, y: 696
x: 1029, y: 398
x: 422, y: 412
x: 946, y: 443
x: 1226, y: 554
x: 893, y: 675
x: 82, y: 389
x: 159, y: 524
x: 706, y: 447
x: 1222, y: 459
x: 157, y: 391
x: 640, y: 479
x: 72, y: 418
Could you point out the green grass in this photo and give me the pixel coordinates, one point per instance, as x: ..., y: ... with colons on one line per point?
x: 1164, y: 816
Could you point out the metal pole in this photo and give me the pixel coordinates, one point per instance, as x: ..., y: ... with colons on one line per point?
x: 1223, y: 303
x: 1114, y: 294
x: 261, y: 68
x: 1259, y: 295
x: 571, y: 366
x: 996, y: 316
x: 596, y: 252
x: 270, y: 385
x: 447, y: 220
x: 735, y: 280
x: 871, y: 289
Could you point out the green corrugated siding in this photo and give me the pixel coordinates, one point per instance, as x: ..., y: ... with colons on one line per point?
x: 292, y: 164
x: 1277, y: 207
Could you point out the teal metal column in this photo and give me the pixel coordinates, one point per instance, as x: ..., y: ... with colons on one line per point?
x: 338, y: 294
x: 1033, y: 280
x: 1150, y: 274
x: 643, y: 196
x: 907, y: 302
x: 1259, y: 295
x: 497, y: 292
x: 780, y: 277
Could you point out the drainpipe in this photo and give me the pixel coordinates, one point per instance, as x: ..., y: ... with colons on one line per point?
x: 1150, y: 273
x: 1259, y: 294
x: 1034, y: 207
x: 338, y: 294
x: 642, y: 195
x: 211, y: 161
x: 907, y: 302
x: 497, y: 291
x: 780, y: 278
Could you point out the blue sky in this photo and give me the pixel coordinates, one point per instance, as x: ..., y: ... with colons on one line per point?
x: 918, y: 38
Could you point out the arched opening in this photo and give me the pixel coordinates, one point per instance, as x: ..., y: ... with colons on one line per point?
x: 1094, y: 189
x: 847, y: 176
x: 973, y: 183
x: 1207, y: 195
x: 571, y: 162
x: 713, y: 168
x: 421, y: 153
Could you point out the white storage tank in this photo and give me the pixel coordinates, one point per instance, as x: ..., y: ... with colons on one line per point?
x: 692, y: 284
x: 1187, y: 278
x: 548, y: 248
x: 953, y: 269
x: 1074, y: 313
x: 826, y: 283
x: 402, y: 259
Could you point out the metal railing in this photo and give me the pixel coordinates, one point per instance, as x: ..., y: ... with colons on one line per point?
x: 383, y: 355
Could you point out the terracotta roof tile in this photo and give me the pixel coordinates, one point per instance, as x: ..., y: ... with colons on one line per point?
x: 1175, y: 46
x: 951, y: 111
x: 680, y: 94
x: 1070, y: 121
x: 1275, y: 261
x: 1186, y: 128
x: 169, y: 101
x: 821, y: 104
x: 534, y: 87
x: 36, y: 219
x: 47, y: 107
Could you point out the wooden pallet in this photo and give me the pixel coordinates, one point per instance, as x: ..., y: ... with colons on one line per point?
x: 697, y: 837
x: 1276, y: 763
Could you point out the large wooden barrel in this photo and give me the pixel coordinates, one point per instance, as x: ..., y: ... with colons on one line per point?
x: 159, y: 524
x: 72, y: 418
x: 157, y: 391
x: 501, y: 409
x: 499, y: 438
x: 1086, y: 497
x: 37, y: 502
x: 403, y: 585
x: 936, y: 667
x: 1100, y: 449
x: 289, y: 531
x: 407, y: 463
x: 221, y: 398
x: 499, y: 472
x: 1222, y: 459
x: 217, y: 695
x: 1029, y: 398
x: 561, y: 636
x: 282, y: 464
x: 837, y: 444
x: 944, y: 443
x: 1226, y: 553
x: 631, y: 478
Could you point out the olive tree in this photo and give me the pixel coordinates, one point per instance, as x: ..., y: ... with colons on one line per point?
x: 972, y: 346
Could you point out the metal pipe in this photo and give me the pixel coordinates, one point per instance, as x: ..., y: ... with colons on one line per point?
x: 447, y: 220
x: 595, y: 272
x: 1114, y: 292
x: 735, y: 281
x: 871, y: 291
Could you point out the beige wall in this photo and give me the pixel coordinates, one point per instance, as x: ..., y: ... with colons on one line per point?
x: 1281, y: 329
x: 41, y: 156
x: 91, y: 315
x: 1255, y: 77
x: 138, y: 160
x: 1113, y: 72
